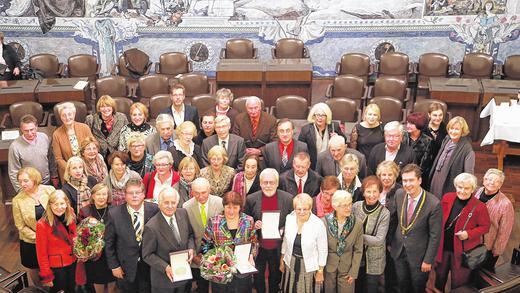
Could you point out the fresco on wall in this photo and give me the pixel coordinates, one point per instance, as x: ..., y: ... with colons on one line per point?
x: 464, y: 7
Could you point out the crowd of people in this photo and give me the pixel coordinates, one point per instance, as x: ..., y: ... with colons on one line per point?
x: 384, y: 213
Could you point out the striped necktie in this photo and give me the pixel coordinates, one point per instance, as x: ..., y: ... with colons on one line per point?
x: 137, y: 227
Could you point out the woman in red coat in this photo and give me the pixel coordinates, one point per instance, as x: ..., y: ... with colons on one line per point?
x: 54, y: 234
x: 456, y: 209
x: 163, y: 176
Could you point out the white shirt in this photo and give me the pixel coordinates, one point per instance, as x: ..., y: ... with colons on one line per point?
x: 390, y: 156
x: 314, y: 242
x: 159, y: 186
x: 178, y: 117
x: 131, y: 211
x: 226, y: 140
x: 174, y: 222
x: 304, y: 179
x: 415, y: 200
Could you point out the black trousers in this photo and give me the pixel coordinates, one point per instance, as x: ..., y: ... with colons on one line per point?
x: 271, y: 258
x: 238, y: 285
x: 490, y: 262
x: 202, y: 284
x: 141, y: 283
x: 366, y: 283
x: 391, y: 285
x: 64, y: 279
x: 410, y: 278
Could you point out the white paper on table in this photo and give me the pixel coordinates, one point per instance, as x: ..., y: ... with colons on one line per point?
x: 180, y: 266
x: 270, y: 223
x: 242, y: 252
x: 10, y: 134
x: 80, y: 85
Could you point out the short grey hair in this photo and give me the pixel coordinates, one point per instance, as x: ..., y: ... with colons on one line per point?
x: 341, y: 196
x: 336, y: 140
x: 269, y: 171
x: 164, y: 118
x: 253, y: 99
x: 394, y: 125
x: 163, y: 154
x: 497, y: 172
x: 223, y: 119
x: 463, y: 178
x: 201, y: 182
x: 66, y: 105
x: 168, y: 190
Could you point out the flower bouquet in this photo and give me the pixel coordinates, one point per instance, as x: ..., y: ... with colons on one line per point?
x: 89, y: 243
x: 218, y: 265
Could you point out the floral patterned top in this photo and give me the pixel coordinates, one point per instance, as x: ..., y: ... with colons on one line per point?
x: 219, y: 184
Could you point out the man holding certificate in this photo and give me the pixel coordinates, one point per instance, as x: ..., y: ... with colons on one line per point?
x: 269, y: 207
x: 168, y: 245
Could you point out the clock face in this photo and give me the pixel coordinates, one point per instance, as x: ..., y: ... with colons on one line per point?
x: 200, y: 54
x: 382, y: 47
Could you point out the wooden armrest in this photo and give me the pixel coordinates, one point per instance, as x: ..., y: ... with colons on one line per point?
x: 61, y: 70
x: 403, y: 121
x: 45, y: 119
x: 306, y: 53
x: 457, y: 68
x: 498, y: 70
x: 370, y: 92
x: 114, y: 70
x: 4, y: 120
x: 415, y: 68
x: 338, y: 68
x: 210, y: 88
x: 407, y: 95
x: 328, y: 93
x: 223, y: 53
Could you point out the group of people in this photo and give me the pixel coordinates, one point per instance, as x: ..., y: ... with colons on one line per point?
x: 394, y: 204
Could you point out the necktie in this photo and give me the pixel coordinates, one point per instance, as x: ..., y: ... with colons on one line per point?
x: 336, y: 167
x: 300, y: 186
x: 224, y: 144
x: 254, y: 127
x: 203, y: 214
x: 137, y: 227
x: 409, y: 212
x: 175, y: 231
x: 285, y: 157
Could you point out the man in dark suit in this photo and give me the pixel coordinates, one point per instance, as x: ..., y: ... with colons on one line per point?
x: 268, y: 199
x: 279, y: 154
x: 179, y: 110
x: 417, y: 236
x: 163, y: 139
x: 168, y: 231
x: 328, y: 162
x: 234, y: 144
x: 201, y: 207
x: 257, y: 127
x: 392, y: 149
x: 9, y: 60
x: 123, y: 239
x: 301, y: 178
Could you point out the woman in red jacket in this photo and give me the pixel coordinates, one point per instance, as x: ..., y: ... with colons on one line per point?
x: 164, y: 175
x: 54, y: 234
x: 455, y: 239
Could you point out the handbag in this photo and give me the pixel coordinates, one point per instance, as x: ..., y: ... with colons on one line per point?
x: 3, y: 68
x: 474, y: 257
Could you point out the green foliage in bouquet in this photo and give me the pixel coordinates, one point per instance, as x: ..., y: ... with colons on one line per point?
x: 89, y: 243
x: 218, y: 265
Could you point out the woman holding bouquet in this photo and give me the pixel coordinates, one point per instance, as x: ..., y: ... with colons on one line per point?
x: 54, y: 237
x: 229, y: 229
x: 97, y: 269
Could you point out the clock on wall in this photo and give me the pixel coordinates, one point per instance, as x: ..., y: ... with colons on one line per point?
x: 199, y: 53
x: 380, y: 48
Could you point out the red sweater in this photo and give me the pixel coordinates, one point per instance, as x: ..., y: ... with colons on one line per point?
x: 149, y: 182
x: 53, y: 251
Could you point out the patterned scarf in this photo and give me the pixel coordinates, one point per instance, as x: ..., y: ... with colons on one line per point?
x: 139, y: 128
x: 186, y: 185
x: 332, y: 224
x: 97, y: 168
x: 122, y: 182
x: 450, y: 146
x: 83, y: 190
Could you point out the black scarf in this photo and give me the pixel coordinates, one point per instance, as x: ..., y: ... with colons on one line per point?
x: 141, y: 128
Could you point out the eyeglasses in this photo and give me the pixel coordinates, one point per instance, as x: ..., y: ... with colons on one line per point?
x: 320, y: 115
x: 162, y: 165
x: 137, y: 146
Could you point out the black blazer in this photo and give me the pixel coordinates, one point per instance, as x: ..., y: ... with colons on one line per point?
x: 326, y: 166
x: 311, y: 187
x: 121, y: 247
x: 308, y: 136
x: 253, y: 206
x: 190, y: 114
x: 10, y: 57
x: 72, y: 193
x: 236, y: 150
x: 404, y: 156
x: 178, y: 156
x: 273, y: 158
x: 158, y: 242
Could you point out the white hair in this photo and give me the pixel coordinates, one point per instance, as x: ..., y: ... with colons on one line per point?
x: 394, y: 125
x: 201, y: 182
x: 336, y: 140
x: 269, y: 171
x: 168, y: 190
x: 253, y: 99
x: 164, y: 118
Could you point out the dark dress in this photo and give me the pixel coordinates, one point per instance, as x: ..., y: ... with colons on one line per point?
x: 72, y: 193
x: 97, y: 271
x: 179, y: 155
x: 28, y: 250
x: 364, y: 139
x: 437, y: 137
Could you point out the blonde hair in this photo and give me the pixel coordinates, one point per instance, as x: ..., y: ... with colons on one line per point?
x: 34, y: 175
x: 86, y: 141
x: 218, y: 150
x: 69, y: 212
x: 141, y: 107
x: 98, y: 187
x: 224, y: 92
x: 320, y: 108
x: 349, y: 159
x: 186, y: 125
x: 134, y: 137
x: 387, y: 165
x: 106, y: 100
x: 70, y: 161
x: 374, y: 108
x: 302, y: 198
x: 462, y: 122
x: 66, y: 105
x: 497, y: 172
x: 466, y: 178
x: 187, y: 161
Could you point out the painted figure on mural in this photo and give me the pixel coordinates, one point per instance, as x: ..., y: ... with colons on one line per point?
x: 106, y: 36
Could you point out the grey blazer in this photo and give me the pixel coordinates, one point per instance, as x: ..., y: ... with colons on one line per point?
x: 311, y: 187
x: 158, y: 242
x: 153, y: 142
x: 326, y: 167
x: 215, y: 207
x: 348, y: 263
x: 253, y: 206
x: 422, y: 240
x: 236, y: 149
x: 121, y: 247
x: 273, y: 158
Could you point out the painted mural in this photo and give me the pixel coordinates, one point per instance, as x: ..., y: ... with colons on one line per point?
x: 465, y: 7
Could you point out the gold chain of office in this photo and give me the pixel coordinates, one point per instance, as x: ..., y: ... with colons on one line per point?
x: 404, y: 229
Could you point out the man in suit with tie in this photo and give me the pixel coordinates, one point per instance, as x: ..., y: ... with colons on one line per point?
x: 270, y: 198
x: 123, y: 239
x: 279, y: 154
x: 301, y: 178
x: 168, y: 231
x: 234, y: 144
x: 200, y: 208
x: 392, y: 149
x: 163, y: 139
x: 257, y: 127
x: 417, y: 236
x: 179, y: 110
x: 328, y: 162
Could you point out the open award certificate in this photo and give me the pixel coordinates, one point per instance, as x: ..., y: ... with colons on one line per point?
x: 270, y: 223
x: 180, y: 266
x: 242, y: 252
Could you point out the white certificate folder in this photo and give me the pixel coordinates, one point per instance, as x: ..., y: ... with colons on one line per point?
x: 270, y: 223
x: 180, y: 266
x: 242, y: 252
